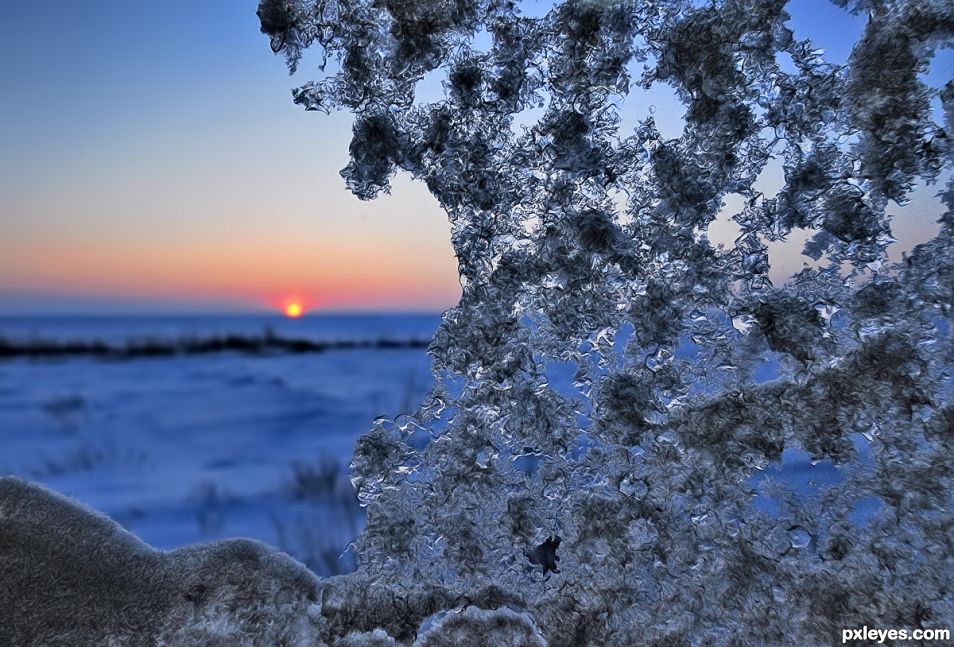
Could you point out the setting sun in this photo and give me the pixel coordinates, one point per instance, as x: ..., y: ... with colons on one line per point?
x: 293, y: 310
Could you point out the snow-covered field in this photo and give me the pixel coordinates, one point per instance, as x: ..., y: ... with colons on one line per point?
x: 197, y: 448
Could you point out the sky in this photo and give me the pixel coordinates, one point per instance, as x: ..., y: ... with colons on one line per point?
x: 151, y: 158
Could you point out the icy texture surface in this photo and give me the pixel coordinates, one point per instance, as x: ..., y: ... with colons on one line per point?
x: 625, y: 510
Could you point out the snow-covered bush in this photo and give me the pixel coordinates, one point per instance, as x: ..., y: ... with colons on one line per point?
x: 623, y: 512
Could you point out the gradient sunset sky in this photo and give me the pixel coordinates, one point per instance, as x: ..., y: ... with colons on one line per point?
x: 151, y: 158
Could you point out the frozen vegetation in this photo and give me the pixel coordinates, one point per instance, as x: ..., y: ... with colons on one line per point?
x: 639, y: 504
x: 623, y: 512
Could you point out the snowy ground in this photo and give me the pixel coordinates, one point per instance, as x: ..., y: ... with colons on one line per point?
x: 190, y: 449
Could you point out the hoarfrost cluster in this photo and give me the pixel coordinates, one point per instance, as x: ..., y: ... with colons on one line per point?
x: 623, y: 511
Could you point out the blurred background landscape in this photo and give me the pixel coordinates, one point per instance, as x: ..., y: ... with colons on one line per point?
x: 183, y: 449
x: 154, y: 170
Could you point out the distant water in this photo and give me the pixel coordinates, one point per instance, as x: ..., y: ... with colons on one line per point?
x: 314, y: 327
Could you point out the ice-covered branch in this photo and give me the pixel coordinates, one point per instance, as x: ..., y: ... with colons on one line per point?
x: 644, y: 469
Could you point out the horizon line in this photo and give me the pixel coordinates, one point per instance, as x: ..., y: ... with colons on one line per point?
x: 224, y: 312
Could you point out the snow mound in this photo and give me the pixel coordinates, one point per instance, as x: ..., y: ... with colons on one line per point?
x: 69, y: 576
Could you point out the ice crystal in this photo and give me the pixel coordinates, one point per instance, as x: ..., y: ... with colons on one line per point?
x: 622, y: 511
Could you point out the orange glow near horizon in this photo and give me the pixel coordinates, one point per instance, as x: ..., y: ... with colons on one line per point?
x: 293, y: 310
x: 318, y: 276
x: 213, y: 253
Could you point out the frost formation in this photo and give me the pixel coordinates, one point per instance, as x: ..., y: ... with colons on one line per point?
x: 623, y: 512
